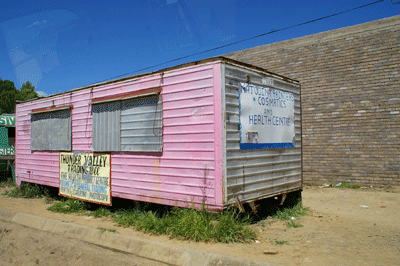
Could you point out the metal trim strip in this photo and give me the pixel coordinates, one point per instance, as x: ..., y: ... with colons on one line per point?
x: 127, y: 95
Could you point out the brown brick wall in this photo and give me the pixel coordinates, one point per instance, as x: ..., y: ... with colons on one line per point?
x: 350, y: 81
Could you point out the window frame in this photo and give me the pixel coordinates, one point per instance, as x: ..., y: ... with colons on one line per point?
x: 48, y: 146
x: 122, y: 99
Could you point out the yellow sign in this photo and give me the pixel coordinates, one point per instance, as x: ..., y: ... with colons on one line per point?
x: 85, y: 176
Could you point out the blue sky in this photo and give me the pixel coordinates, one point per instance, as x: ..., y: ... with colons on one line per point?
x: 60, y: 45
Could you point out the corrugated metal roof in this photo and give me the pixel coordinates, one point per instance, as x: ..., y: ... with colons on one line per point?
x: 212, y: 59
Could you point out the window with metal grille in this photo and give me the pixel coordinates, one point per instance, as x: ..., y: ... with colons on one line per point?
x: 51, y: 131
x: 133, y: 124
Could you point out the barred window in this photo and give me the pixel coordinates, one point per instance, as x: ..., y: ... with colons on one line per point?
x: 51, y: 131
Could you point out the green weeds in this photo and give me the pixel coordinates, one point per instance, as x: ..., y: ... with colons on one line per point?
x: 6, y: 183
x: 69, y: 206
x: 27, y: 190
x: 100, y: 212
x: 294, y: 224
x: 345, y: 184
x: 181, y: 223
x: 288, y: 213
x: 281, y: 242
x: 190, y: 224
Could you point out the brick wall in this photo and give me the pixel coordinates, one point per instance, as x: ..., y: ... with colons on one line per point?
x: 350, y: 81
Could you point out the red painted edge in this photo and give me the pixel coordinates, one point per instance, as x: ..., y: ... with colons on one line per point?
x: 52, y: 108
x: 127, y: 95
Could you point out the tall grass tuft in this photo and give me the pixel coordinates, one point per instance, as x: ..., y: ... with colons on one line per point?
x: 27, y: 190
x: 100, y: 212
x: 69, y: 206
x: 190, y: 224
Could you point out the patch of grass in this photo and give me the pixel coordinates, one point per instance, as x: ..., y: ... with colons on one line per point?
x: 294, y: 224
x: 190, y: 224
x: 182, y: 223
x: 231, y: 227
x: 27, y: 190
x: 7, y: 183
x: 100, y: 212
x: 69, y: 206
x: 345, y: 184
x: 48, y: 199
x: 288, y: 213
x: 281, y: 242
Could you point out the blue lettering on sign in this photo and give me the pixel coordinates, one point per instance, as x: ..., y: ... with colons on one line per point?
x: 99, y: 189
x: 84, y: 187
x: 268, y: 114
x: 66, y: 183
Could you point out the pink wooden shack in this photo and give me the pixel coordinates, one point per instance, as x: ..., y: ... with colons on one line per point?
x: 216, y: 131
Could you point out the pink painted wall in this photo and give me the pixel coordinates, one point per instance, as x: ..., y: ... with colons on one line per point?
x: 192, y: 140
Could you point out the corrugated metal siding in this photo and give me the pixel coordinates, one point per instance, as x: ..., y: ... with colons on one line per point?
x: 185, y: 172
x: 106, y: 126
x: 254, y: 174
x: 141, y: 124
x: 182, y: 174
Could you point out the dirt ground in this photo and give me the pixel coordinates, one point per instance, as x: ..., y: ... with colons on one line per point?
x: 345, y: 227
x: 25, y: 246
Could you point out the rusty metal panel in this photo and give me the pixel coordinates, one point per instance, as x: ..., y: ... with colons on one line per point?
x: 106, y: 126
x: 141, y: 124
x: 258, y: 173
x: 51, y: 131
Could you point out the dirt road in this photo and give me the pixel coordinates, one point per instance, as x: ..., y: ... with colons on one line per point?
x: 25, y: 246
x: 345, y: 227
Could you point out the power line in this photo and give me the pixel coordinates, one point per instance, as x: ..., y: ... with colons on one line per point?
x: 251, y: 38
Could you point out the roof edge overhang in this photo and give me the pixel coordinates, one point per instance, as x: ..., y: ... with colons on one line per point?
x: 222, y: 59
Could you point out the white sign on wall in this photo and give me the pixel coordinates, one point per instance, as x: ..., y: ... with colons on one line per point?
x: 266, y: 117
x: 85, y: 176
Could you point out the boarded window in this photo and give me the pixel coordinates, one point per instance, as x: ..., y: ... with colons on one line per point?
x: 51, y: 131
x: 129, y: 125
